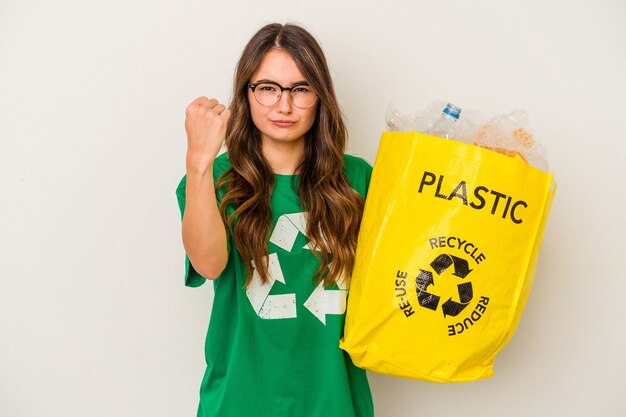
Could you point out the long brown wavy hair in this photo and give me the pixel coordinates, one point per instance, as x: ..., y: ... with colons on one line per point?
x: 334, y: 208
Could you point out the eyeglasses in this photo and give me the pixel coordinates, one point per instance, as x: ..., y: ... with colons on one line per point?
x: 268, y: 93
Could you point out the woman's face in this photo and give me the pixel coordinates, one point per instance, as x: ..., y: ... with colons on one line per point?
x: 281, y: 123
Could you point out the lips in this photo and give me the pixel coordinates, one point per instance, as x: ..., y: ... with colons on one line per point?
x: 283, y: 123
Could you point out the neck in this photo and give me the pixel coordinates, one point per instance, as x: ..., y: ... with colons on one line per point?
x: 284, y: 158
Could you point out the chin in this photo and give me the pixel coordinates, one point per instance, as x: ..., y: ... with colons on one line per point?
x: 284, y: 136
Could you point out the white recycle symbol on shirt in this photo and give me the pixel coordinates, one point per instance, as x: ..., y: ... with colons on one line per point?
x: 283, y: 306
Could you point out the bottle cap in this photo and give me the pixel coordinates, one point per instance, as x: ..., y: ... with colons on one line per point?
x: 452, y: 111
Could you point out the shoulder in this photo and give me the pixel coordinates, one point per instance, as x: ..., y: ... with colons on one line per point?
x: 358, y: 172
x: 353, y: 162
x: 221, y: 165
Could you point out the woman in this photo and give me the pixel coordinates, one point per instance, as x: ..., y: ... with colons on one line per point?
x: 279, y: 244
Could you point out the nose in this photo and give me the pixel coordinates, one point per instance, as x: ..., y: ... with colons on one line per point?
x: 285, y: 105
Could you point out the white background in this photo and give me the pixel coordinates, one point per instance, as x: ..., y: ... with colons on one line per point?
x: 94, y: 317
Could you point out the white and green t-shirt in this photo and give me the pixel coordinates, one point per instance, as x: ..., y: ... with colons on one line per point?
x: 273, y: 350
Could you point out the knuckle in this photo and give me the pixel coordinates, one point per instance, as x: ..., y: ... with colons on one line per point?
x: 192, y: 107
x: 207, y: 114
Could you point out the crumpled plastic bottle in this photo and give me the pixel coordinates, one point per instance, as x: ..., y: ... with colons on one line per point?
x: 445, y: 126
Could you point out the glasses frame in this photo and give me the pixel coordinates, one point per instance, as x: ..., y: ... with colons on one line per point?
x: 253, y: 87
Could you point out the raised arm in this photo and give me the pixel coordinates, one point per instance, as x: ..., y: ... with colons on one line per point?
x: 204, y: 234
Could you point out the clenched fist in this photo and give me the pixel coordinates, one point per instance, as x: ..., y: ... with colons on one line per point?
x: 205, y: 123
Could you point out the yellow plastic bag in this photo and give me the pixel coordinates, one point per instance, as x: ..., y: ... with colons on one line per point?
x: 445, y: 259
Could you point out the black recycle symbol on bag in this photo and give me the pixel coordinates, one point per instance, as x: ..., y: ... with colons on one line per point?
x: 425, y: 278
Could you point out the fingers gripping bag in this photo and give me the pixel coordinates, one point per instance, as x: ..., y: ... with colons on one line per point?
x: 445, y: 259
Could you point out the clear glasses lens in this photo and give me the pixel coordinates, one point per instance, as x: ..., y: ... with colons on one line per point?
x: 269, y: 94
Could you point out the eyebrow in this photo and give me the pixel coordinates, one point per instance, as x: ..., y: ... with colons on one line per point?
x: 296, y: 84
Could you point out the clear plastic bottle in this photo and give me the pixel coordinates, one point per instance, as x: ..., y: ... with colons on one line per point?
x: 445, y: 126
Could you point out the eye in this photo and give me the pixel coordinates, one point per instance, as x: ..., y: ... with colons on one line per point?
x: 267, y: 88
x: 301, y: 89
